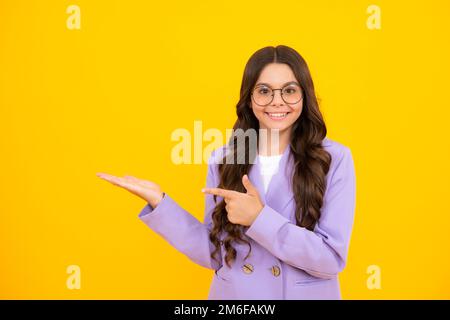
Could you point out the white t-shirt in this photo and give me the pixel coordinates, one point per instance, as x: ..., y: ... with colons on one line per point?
x: 268, y: 167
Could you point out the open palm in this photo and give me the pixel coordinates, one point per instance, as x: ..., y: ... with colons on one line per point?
x: 147, y: 190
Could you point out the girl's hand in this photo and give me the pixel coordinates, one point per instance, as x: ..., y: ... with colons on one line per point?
x: 147, y: 190
x: 242, y: 208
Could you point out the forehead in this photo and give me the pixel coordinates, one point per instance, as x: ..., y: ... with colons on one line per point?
x: 276, y: 75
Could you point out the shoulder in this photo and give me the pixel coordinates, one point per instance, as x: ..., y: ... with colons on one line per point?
x: 215, y: 158
x: 335, y: 148
x: 341, y: 156
x: 217, y: 155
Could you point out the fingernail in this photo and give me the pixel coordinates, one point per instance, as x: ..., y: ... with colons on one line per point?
x: 203, y: 190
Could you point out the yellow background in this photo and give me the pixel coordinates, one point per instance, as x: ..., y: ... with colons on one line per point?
x: 107, y: 97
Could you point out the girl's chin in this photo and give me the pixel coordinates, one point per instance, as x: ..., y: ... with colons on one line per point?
x: 272, y: 126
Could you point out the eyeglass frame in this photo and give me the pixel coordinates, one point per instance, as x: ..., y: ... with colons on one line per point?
x: 273, y: 93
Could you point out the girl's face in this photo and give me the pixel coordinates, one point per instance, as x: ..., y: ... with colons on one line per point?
x: 277, y: 114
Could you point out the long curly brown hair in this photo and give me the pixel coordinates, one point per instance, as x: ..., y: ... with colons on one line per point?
x: 311, y: 161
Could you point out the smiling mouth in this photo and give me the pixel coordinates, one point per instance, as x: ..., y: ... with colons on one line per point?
x: 277, y: 115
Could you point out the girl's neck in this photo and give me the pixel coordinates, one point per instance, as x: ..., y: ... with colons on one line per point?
x: 272, y: 146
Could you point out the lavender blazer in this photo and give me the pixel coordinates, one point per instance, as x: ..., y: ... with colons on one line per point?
x: 287, y: 261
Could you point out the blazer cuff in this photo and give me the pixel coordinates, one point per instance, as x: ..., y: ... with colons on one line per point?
x: 149, y: 209
x: 265, y: 227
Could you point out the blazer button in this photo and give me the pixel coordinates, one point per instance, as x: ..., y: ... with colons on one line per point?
x: 276, y: 271
x: 247, y: 268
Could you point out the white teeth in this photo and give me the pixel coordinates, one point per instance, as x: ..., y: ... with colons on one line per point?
x: 277, y: 115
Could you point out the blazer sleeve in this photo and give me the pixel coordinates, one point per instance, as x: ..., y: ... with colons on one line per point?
x: 322, y: 252
x: 181, y: 229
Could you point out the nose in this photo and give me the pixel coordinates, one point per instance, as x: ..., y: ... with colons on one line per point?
x: 277, y: 99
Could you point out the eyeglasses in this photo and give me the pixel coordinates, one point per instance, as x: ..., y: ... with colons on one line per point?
x: 263, y: 95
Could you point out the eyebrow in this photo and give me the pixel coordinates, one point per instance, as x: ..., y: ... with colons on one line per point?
x: 266, y: 84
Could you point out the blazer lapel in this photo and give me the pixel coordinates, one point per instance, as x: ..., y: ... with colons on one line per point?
x: 279, y: 191
x: 255, y: 178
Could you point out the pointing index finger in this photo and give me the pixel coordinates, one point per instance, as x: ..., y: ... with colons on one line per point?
x: 219, y: 192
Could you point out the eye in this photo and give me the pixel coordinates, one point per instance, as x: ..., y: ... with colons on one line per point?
x: 291, y: 90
